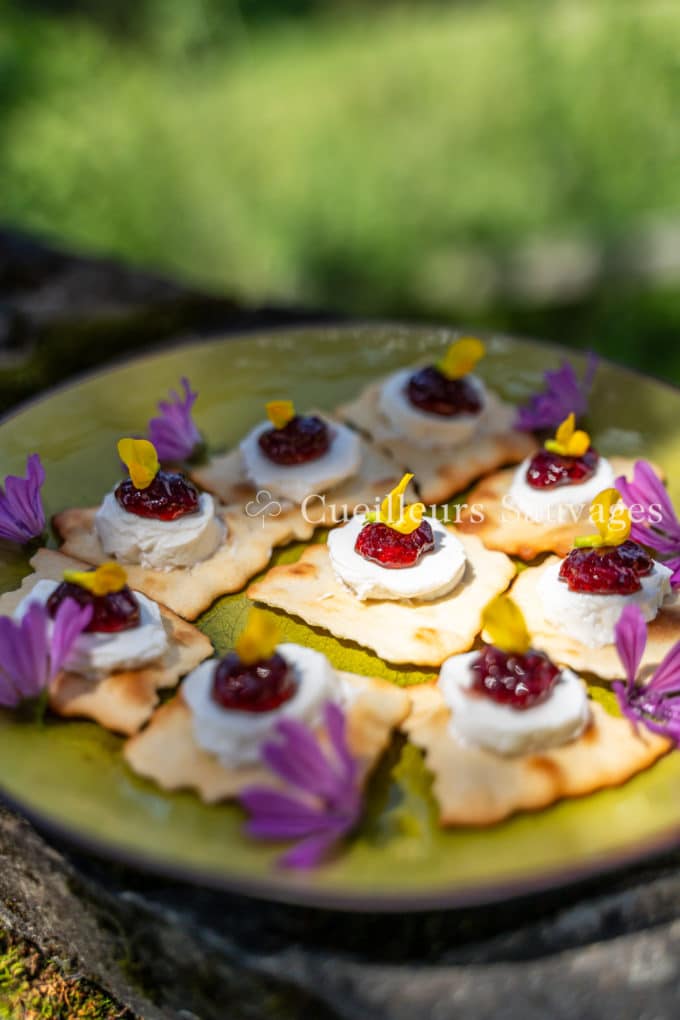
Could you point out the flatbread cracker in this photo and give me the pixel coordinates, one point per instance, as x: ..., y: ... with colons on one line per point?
x: 225, y: 477
x: 188, y: 591
x: 167, y: 753
x: 662, y: 633
x: 123, y: 701
x: 419, y: 633
x: 503, y: 529
x: 442, y: 472
x: 477, y: 787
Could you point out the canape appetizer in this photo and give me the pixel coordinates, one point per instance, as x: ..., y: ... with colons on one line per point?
x: 308, y: 461
x: 506, y: 729
x: 441, y: 422
x: 572, y: 605
x: 396, y: 581
x: 179, y: 546
x: 542, y: 505
x: 129, y: 650
x: 210, y: 737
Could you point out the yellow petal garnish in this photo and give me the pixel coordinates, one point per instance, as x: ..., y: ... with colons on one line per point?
x: 141, y: 460
x: 280, y: 412
x: 461, y: 357
x: 610, y: 517
x: 569, y: 441
x: 503, y: 621
x: 392, y: 512
x: 259, y: 639
x: 106, y: 579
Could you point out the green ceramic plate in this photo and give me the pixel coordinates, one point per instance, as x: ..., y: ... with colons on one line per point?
x: 69, y: 776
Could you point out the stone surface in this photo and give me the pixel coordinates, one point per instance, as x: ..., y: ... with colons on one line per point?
x: 170, y: 951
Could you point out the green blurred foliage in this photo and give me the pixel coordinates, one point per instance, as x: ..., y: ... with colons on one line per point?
x: 383, y: 159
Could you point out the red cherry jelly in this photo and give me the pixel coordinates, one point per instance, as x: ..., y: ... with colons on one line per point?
x: 168, y: 497
x: 550, y: 470
x: 301, y: 440
x: 431, y: 391
x: 119, y: 610
x: 606, y: 569
x: 260, y: 687
x: 384, y: 545
x: 511, y: 679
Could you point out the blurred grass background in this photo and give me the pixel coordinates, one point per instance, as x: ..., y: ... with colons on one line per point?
x: 505, y: 164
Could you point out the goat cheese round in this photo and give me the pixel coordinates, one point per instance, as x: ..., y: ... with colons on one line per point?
x: 97, y: 655
x: 422, y: 427
x: 161, y: 545
x: 591, y: 619
x: 561, y: 505
x: 479, y: 721
x: 295, y: 481
x: 236, y: 737
x: 436, y: 573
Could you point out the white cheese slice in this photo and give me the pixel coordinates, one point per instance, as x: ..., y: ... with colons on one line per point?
x: 436, y: 573
x: 423, y: 427
x: 295, y: 481
x: 236, y: 737
x: 161, y: 545
x: 565, y: 504
x: 591, y: 619
x: 98, y: 655
x: 477, y: 720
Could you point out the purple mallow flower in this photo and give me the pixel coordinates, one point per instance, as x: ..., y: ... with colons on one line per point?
x: 174, y: 432
x: 35, y: 648
x: 656, y: 703
x: 327, y: 802
x: 563, y: 393
x: 22, y: 516
x: 655, y: 522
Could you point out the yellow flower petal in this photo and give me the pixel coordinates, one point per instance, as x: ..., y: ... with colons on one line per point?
x: 141, y: 460
x: 392, y: 512
x: 107, y: 578
x: 610, y: 517
x: 461, y: 357
x: 503, y: 621
x: 259, y: 638
x: 280, y: 412
x: 568, y: 441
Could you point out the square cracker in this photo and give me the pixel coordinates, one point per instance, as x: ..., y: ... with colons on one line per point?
x: 167, y: 753
x: 417, y: 632
x: 442, y: 472
x: 505, y: 531
x: 662, y: 632
x: 188, y: 591
x: 122, y: 701
x: 477, y: 787
x: 225, y: 477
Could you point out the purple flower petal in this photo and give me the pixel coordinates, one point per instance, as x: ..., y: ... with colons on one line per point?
x: 563, y: 393
x: 69, y: 623
x: 22, y: 516
x: 327, y: 781
x: 173, y: 432
x: 630, y: 638
x: 666, y: 677
x: 309, y: 853
x: 336, y: 727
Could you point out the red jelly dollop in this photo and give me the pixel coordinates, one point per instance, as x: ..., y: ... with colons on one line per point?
x: 260, y: 687
x: 431, y: 391
x: 550, y: 470
x: 168, y: 497
x: 606, y: 569
x: 119, y: 610
x: 512, y: 679
x: 384, y: 545
x: 301, y: 440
